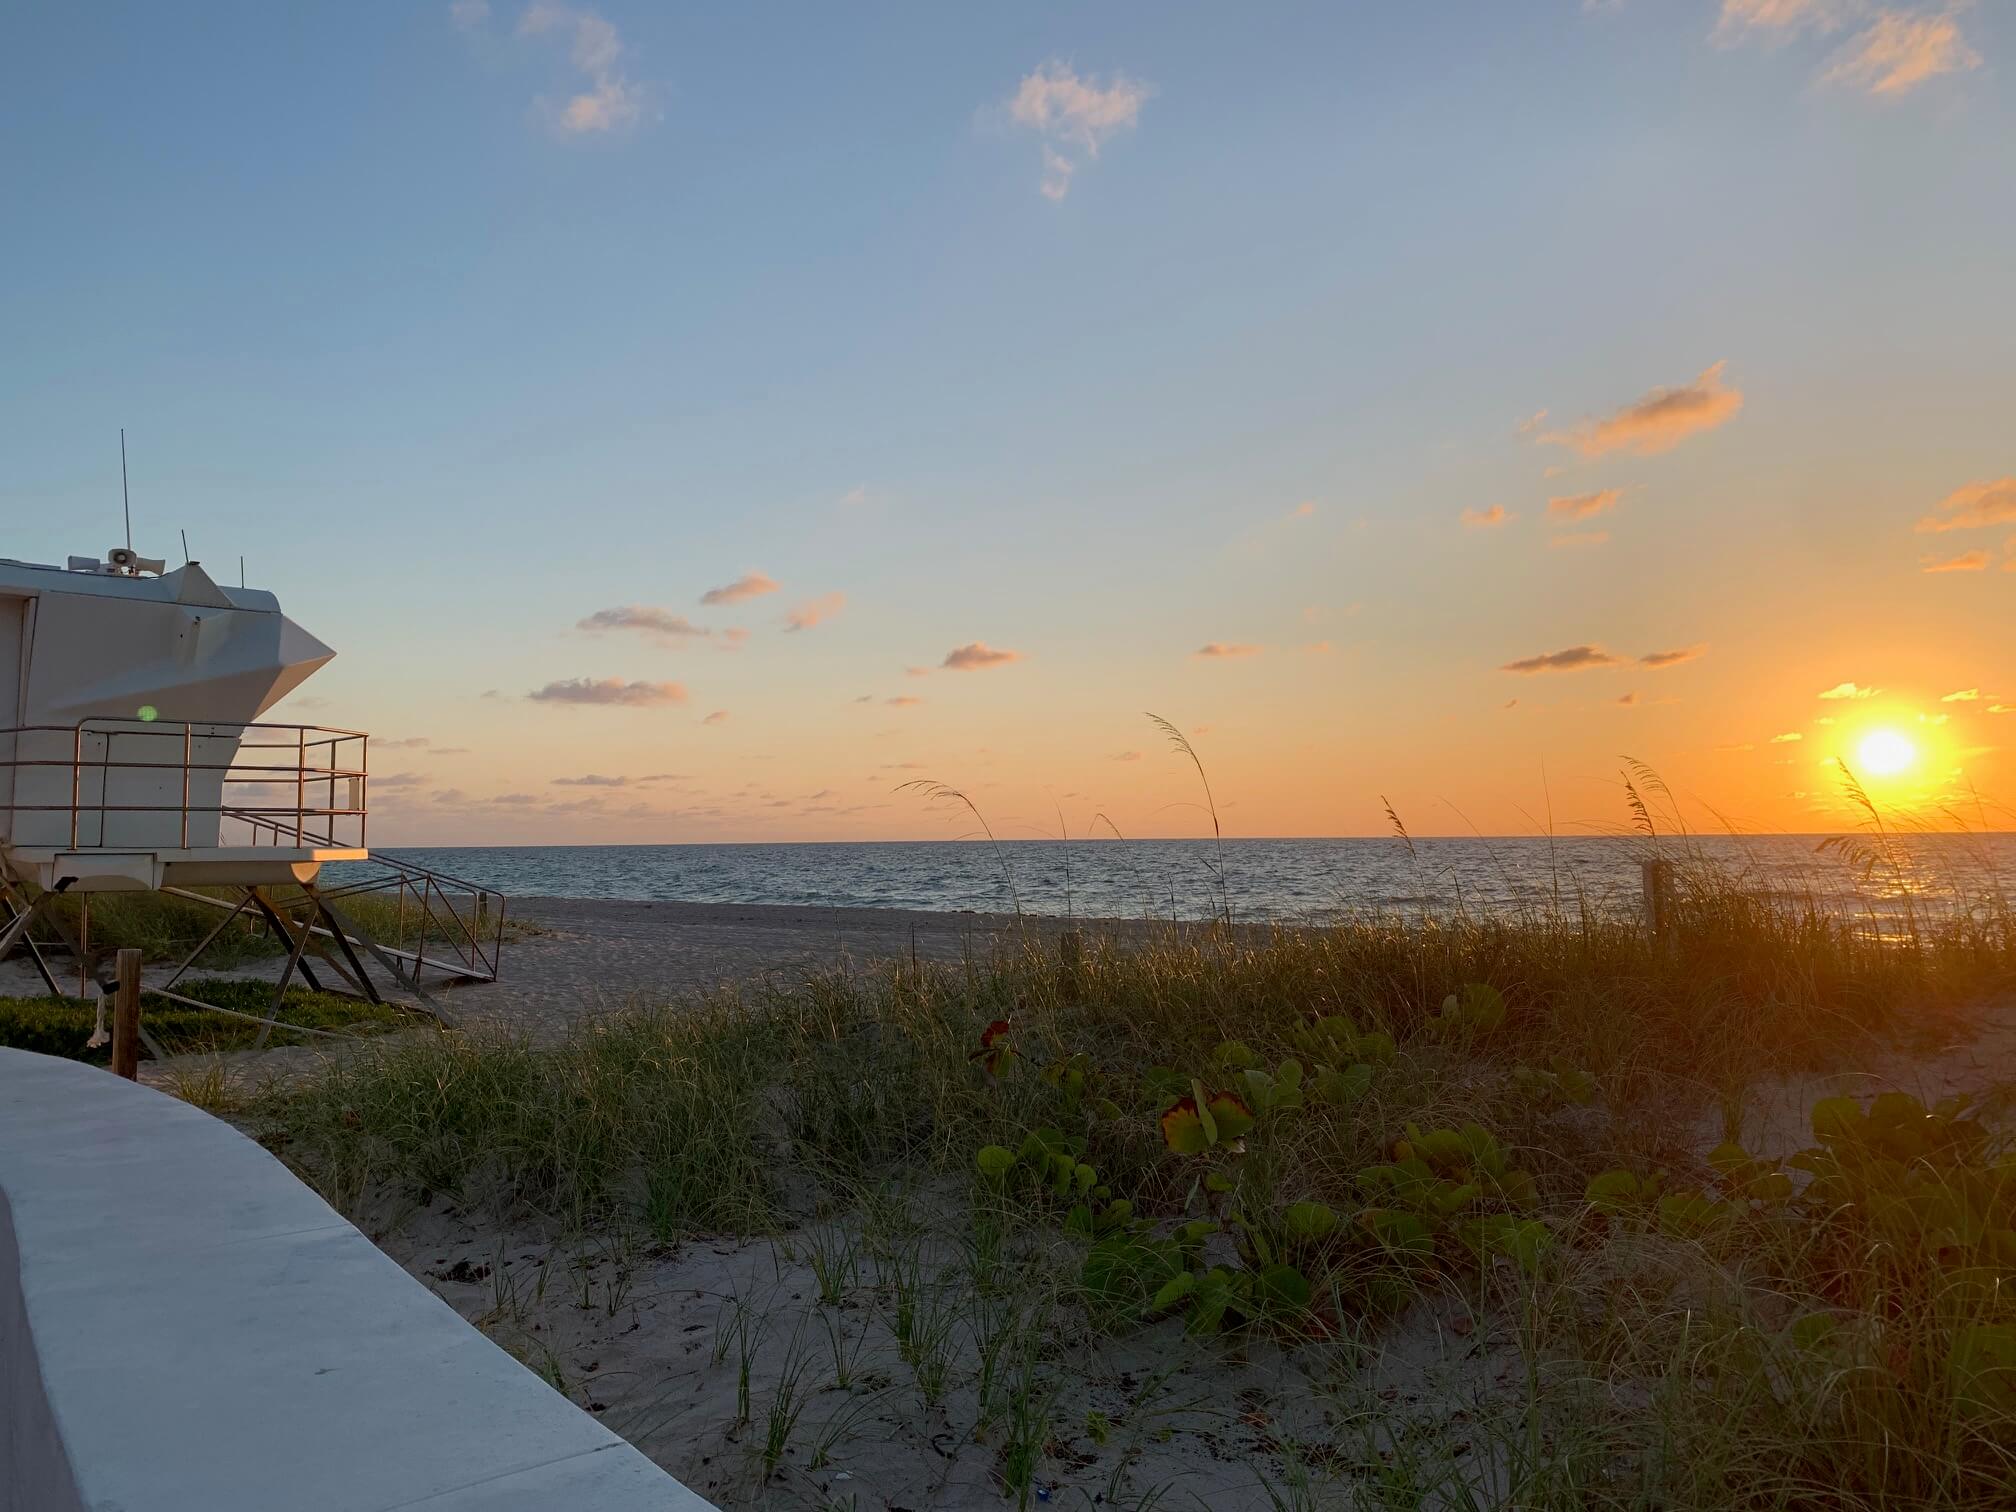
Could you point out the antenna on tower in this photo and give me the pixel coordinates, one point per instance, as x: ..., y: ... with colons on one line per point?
x: 185, y: 548
x: 124, y: 497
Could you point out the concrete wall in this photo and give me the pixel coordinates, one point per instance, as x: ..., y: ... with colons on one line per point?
x: 184, y: 1327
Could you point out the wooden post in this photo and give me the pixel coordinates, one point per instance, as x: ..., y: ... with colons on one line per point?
x: 1657, y: 883
x: 126, y: 1018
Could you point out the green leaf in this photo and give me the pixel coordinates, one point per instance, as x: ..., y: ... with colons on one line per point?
x: 994, y: 1161
x: 1614, y: 1192
x: 1282, y: 1291
x: 1174, y: 1290
x: 1234, y: 1055
x: 1308, y: 1220
x: 1836, y: 1119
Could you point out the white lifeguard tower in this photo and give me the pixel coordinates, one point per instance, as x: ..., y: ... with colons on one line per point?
x: 132, y: 758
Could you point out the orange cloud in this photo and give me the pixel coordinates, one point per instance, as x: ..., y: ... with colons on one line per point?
x: 977, y: 654
x: 661, y: 624
x: 719, y: 716
x: 1962, y: 695
x: 1486, y: 519
x: 1974, y: 506
x: 1966, y: 561
x: 903, y: 703
x: 1658, y: 659
x: 1849, y: 690
x: 815, y: 611
x: 1900, y: 51
x: 1574, y: 659
x: 609, y: 690
x: 749, y: 585
x: 1079, y: 112
x: 1221, y: 650
x: 1628, y: 699
x: 1583, y: 506
x: 1658, y: 422
x: 591, y: 779
x: 1787, y: 738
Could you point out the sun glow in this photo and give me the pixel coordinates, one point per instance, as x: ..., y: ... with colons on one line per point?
x: 1885, y: 753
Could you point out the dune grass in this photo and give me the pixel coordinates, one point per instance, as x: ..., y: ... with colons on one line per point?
x: 62, y: 1026
x: 1222, y: 1141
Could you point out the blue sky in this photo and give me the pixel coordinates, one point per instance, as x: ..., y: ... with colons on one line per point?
x: 462, y: 324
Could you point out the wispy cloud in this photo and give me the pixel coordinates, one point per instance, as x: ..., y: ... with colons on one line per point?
x: 749, y: 585
x: 1574, y: 659
x: 1775, y: 20
x: 1892, y: 51
x: 1073, y: 114
x: 1659, y: 421
x: 609, y: 101
x: 916, y: 671
x: 903, y: 702
x: 1585, y: 505
x: 719, y: 716
x: 1628, y: 699
x: 1222, y: 650
x: 1961, y: 695
x: 1126, y: 755
x: 1658, y: 659
x: 609, y: 690
x: 1848, y: 690
x: 593, y: 780
x: 645, y: 619
x: 1974, y: 506
x: 410, y: 743
x: 1317, y: 648
x: 1900, y: 50
x: 1966, y: 561
x: 1788, y: 738
x: 1487, y: 519
x: 975, y: 655
x: 815, y: 611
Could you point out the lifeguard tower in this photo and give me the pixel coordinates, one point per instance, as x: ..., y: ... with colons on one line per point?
x: 132, y: 758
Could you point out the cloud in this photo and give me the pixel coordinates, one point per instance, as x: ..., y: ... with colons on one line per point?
x: 591, y: 779
x: 858, y: 494
x: 1659, y: 421
x: 903, y: 702
x: 1306, y: 510
x: 1127, y: 756
x: 1848, y: 690
x: 1510, y: 703
x: 410, y: 743
x: 1487, y: 519
x: 1775, y: 20
x: 916, y: 671
x: 1974, y: 506
x: 719, y: 716
x: 1579, y: 538
x: 609, y: 690
x: 646, y: 619
x: 1583, y: 506
x: 1074, y: 111
x: 1966, y: 561
x: 610, y: 101
x: 815, y: 611
x: 1574, y: 659
x: 2002, y: 708
x: 1226, y: 650
x: 1961, y: 695
x: 1317, y: 648
x: 749, y: 585
x: 1628, y: 699
x: 515, y: 800
x: 449, y: 751
x: 397, y: 780
x: 975, y: 655
x: 1532, y: 422
x: 1787, y: 738
x: 1899, y: 51
x: 1658, y: 659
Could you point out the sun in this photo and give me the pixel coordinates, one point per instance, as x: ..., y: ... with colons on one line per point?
x: 1885, y: 753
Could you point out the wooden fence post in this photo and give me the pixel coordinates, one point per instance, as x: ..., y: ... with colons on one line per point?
x: 126, y: 1017
x: 1657, y: 883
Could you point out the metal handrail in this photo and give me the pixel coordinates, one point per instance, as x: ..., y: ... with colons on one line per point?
x: 310, y: 768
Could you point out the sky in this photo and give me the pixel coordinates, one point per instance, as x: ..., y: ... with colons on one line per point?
x: 692, y: 422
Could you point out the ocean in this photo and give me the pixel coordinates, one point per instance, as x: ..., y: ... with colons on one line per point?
x: 1288, y: 880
